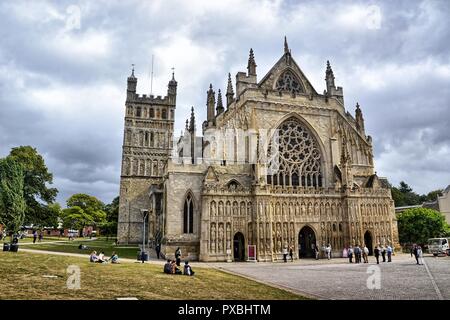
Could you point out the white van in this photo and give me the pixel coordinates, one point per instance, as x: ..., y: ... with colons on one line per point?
x: 438, y: 246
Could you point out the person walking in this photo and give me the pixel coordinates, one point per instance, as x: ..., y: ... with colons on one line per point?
x: 376, y: 252
x: 350, y: 254
x: 41, y: 236
x: 383, y: 253
x: 316, y: 251
x: 285, y: 253
x: 419, y: 255
x: 328, y: 251
x: 415, y: 251
x: 366, y: 254
x: 291, y: 253
x: 158, y: 250
x: 357, y: 252
x: 389, y: 253
x: 34, y: 236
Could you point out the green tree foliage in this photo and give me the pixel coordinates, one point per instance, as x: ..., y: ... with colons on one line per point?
x: 417, y: 225
x: 12, y: 202
x: 35, y: 190
x: 405, y: 196
x: 109, y: 227
x: 83, y: 210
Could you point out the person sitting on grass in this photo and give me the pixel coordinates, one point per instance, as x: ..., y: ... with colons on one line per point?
x: 168, y: 267
x: 93, y: 257
x: 187, y: 269
x: 101, y: 257
x: 114, y: 258
x: 175, y: 269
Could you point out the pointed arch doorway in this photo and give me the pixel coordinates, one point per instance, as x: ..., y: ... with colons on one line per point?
x: 239, y: 247
x: 368, y: 242
x: 306, y: 242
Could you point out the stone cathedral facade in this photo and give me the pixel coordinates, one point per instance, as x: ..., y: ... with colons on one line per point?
x: 277, y: 165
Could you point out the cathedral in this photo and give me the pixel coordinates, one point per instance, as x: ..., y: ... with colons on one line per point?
x: 277, y: 165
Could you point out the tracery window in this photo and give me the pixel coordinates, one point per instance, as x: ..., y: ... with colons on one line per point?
x: 188, y: 215
x: 289, y: 82
x: 294, y: 157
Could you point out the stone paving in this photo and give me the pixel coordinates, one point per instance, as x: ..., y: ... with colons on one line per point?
x: 401, y: 279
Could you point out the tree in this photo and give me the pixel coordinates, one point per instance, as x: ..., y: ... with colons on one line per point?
x: 433, y: 195
x: 83, y: 210
x: 417, y: 225
x: 12, y: 202
x: 109, y: 227
x: 36, y: 177
x: 405, y: 196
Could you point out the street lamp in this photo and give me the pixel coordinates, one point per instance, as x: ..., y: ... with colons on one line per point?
x: 144, y: 216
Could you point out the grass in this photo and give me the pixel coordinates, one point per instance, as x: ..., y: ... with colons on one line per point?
x: 100, y: 244
x: 22, y: 277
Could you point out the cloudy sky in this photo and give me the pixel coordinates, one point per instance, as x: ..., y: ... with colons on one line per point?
x: 64, y: 64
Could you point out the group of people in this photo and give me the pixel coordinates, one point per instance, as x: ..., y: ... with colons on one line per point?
x: 357, y: 252
x: 171, y: 267
x: 418, y: 254
x: 36, y: 236
x: 290, y: 252
x: 100, y: 258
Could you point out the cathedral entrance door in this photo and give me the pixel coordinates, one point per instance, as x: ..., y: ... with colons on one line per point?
x: 238, y: 247
x: 306, y: 242
x: 368, y: 241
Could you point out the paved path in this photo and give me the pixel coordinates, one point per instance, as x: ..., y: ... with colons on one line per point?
x: 337, y: 279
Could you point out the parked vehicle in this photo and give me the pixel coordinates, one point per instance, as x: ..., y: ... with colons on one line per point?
x: 438, y: 246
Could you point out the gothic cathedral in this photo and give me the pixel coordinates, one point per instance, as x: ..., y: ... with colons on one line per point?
x: 277, y: 165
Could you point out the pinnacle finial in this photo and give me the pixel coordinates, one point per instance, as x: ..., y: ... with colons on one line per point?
x: 132, y: 69
x: 357, y: 105
x: 173, y: 73
x: 286, y: 47
x: 251, y: 67
x: 210, y: 86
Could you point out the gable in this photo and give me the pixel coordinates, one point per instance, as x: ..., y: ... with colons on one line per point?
x: 285, y: 70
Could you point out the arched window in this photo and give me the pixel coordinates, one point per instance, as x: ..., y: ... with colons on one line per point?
x: 188, y: 215
x: 152, y: 113
x: 289, y: 82
x: 294, y: 157
x: 138, y: 111
x: 164, y: 114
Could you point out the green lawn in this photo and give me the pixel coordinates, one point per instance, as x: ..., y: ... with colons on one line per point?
x: 100, y: 244
x: 22, y: 277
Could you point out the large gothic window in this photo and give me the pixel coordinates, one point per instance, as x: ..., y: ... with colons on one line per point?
x: 294, y: 157
x: 289, y: 82
x: 188, y: 215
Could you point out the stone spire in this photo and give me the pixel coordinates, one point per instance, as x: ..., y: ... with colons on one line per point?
x: 192, y: 121
x: 210, y: 103
x: 359, y: 120
x: 286, y: 47
x: 219, y: 108
x: 329, y: 78
x: 187, y: 125
x: 251, y: 67
x: 172, y: 89
x: 230, y: 93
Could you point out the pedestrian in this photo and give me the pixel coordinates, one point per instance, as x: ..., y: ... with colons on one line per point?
x: 285, y: 253
x: 357, y: 253
x: 419, y: 255
x: 383, y: 253
x: 178, y: 256
x: 158, y: 250
x: 377, y: 254
x: 291, y: 253
x: 350, y: 254
x: 41, y: 236
x: 366, y: 254
x: 415, y: 251
x: 389, y: 253
x: 34, y: 236
x: 316, y: 251
x: 328, y: 251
